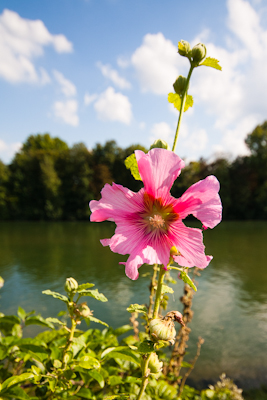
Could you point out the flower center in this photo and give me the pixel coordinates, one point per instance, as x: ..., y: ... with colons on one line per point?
x: 156, y: 221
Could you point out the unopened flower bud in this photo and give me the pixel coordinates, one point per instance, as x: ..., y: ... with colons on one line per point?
x: 179, y: 84
x: 160, y: 144
x: 71, y: 285
x: 161, y: 329
x: 199, y: 53
x: 154, y: 364
x: 84, y: 310
x: 184, y: 48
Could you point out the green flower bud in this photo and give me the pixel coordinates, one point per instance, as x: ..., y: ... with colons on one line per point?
x: 154, y: 364
x: 199, y: 53
x: 160, y: 144
x: 71, y: 285
x: 179, y: 84
x: 84, y: 310
x: 161, y: 329
x: 184, y: 48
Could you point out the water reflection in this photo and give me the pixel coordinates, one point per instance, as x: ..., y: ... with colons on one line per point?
x: 230, y: 305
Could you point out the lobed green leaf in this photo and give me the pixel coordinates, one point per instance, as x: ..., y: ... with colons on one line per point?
x: 131, y: 164
x: 93, y: 293
x: 56, y: 295
x: 166, y: 289
x: 137, y: 308
x: 211, y: 62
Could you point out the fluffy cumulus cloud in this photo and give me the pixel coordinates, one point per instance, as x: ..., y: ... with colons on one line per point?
x: 21, y: 41
x: 235, y: 97
x: 113, y: 106
x: 156, y: 64
x: 66, y: 86
x: 162, y: 130
x: 114, y: 76
x: 8, y: 150
x: 66, y: 111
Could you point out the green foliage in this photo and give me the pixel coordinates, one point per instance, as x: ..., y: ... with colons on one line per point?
x: 176, y: 100
x: 211, y: 62
x: 186, y: 278
x: 131, y: 164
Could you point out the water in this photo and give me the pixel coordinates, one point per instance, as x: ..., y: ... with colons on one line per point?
x: 230, y: 306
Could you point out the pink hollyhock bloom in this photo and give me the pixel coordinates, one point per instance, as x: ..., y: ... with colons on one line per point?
x: 149, y: 222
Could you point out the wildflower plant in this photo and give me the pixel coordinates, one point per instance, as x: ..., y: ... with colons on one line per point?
x: 68, y: 363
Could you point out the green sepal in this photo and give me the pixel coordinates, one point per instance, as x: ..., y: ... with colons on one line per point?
x: 186, y: 278
x: 93, y: 293
x: 137, y: 308
x: 131, y: 164
x: 56, y: 295
x: 211, y: 62
x: 166, y: 289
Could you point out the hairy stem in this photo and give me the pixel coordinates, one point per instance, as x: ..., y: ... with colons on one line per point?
x: 145, y: 373
x: 182, y: 107
x: 152, y: 290
x: 158, y: 292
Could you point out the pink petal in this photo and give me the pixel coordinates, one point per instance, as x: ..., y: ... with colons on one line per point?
x: 116, y: 202
x: 189, y: 242
x: 203, y: 201
x: 158, y: 169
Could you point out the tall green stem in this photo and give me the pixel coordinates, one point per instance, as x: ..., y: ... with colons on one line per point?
x: 144, y: 379
x: 158, y: 292
x: 183, y: 100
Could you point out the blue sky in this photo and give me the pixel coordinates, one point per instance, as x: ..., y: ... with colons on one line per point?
x: 95, y: 70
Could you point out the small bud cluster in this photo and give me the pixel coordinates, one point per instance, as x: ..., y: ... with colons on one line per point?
x: 195, y: 55
x: 71, y: 285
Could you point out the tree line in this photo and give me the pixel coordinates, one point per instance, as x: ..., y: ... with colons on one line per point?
x: 48, y: 180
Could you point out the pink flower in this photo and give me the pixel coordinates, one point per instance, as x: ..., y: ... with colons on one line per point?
x: 149, y: 222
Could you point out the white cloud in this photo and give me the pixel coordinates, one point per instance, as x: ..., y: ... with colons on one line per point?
x: 22, y: 40
x: 8, y: 150
x: 156, y: 64
x: 89, y: 98
x: 113, y: 106
x: 123, y: 62
x: 67, y: 111
x: 162, y: 130
x: 196, y: 141
x: 66, y: 86
x: 113, y: 75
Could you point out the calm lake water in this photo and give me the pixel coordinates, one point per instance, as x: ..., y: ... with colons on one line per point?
x: 230, y: 305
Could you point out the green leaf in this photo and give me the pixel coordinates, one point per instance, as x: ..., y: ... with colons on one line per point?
x: 115, y: 380
x: 147, y: 346
x: 117, y: 397
x: 175, y: 99
x: 189, y: 102
x: 52, y: 383
x: 38, y: 320
x: 85, y: 393
x: 122, y: 329
x: 89, y: 362
x: 54, y: 321
x: 56, y: 295
x: 137, y: 308
x: 98, y: 377
x: 186, y: 278
x: 131, y: 164
x: 166, y: 289
x: 16, y: 393
x: 9, y: 320
x: 84, y: 286
x: 121, y: 352
x: 186, y: 365
x: 14, y: 380
x: 98, y: 321
x: 211, y: 62
x: 93, y: 293
x: 21, y: 313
